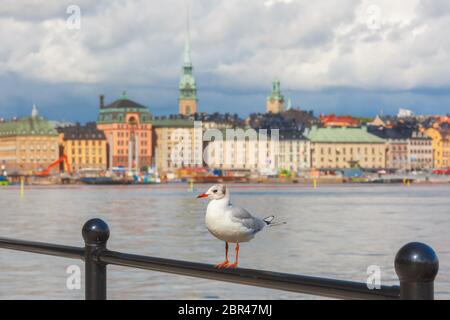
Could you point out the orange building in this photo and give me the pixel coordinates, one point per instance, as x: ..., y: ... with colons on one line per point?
x: 128, y: 130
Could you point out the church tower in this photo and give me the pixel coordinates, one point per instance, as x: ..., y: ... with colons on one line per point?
x: 275, y: 102
x: 187, y: 100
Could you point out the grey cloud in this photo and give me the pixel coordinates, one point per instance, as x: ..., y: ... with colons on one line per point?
x: 238, y: 46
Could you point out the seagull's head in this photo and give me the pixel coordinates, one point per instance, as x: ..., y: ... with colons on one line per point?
x: 216, y: 192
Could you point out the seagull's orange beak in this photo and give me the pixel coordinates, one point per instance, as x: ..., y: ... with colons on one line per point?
x: 204, y: 195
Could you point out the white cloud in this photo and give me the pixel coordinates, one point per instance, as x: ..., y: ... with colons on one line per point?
x: 308, y: 44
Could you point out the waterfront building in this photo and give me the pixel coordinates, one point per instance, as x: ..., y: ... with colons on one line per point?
x: 275, y: 102
x: 128, y: 130
x: 441, y: 146
x: 397, y: 142
x: 340, y: 148
x: 420, y: 151
x: 294, y: 151
x: 187, y: 101
x: 85, y: 147
x: 243, y: 149
x: 178, y: 143
x: 28, y: 144
x: 338, y: 121
x: 407, y: 148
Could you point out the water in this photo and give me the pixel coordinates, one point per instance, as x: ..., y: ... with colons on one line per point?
x: 334, y: 231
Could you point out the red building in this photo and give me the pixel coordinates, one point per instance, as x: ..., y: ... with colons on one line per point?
x: 128, y: 130
x: 338, y: 121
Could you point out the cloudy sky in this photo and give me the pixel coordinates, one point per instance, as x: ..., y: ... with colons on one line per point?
x: 341, y: 56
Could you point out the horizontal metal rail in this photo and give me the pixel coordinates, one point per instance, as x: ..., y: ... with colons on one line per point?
x: 416, y: 264
x: 264, y: 279
x: 42, y: 248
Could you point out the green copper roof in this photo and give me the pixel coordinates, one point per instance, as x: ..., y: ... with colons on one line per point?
x: 342, y: 135
x: 124, y: 103
x: 172, y: 123
x: 187, y: 86
x: 116, y: 112
x: 276, y: 91
x: 27, y: 126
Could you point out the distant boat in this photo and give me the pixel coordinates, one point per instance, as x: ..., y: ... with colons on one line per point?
x: 4, y: 181
x: 105, y: 181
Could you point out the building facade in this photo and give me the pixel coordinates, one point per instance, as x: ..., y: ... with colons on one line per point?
x: 420, y: 151
x: 441, y: 147
x: 294, y: 152
x: 28, y: 144
x: 178, y: 143
x: 238, y: 149
x: 85, y: 147
x: 397, y: 146
x: 275, y: 102
x: 407, y: 148
x: 128, y: 130
x: 342, y: 148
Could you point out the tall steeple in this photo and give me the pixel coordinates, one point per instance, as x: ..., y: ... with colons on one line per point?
x: 34, y: 111
x: 188, y: 89
x: 275, y: 102
x: 187, y: 44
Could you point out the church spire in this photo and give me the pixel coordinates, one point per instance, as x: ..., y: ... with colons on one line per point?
x: 188, y: 88
x: 187, y: 43
x: 275, y: 102
x: 34, y: 111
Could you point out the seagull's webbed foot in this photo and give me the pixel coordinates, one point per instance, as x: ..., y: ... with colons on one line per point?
x: 232, y: 266
x: 222, y: 265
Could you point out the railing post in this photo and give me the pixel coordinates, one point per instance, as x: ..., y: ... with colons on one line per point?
x: 95, y: 235
x: 417, y: 265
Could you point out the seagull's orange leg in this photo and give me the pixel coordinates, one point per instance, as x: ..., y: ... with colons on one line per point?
x: 225, y: 263
x: 235, y: 264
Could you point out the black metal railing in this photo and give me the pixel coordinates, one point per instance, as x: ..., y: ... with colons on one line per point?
x: 416, y: 264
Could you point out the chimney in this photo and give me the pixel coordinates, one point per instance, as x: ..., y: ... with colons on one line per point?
x: 102, y: 101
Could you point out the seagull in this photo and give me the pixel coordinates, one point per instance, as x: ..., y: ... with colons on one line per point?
x: 230, y: 223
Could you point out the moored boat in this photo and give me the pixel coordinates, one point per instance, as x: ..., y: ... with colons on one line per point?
x: 105, y: 181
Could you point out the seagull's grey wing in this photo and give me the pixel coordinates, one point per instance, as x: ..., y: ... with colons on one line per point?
x: 242, y: 216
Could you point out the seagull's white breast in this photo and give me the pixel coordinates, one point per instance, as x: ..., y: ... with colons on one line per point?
x: 219, y: 222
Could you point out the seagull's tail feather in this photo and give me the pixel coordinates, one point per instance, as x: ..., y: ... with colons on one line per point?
x: 270, y: 223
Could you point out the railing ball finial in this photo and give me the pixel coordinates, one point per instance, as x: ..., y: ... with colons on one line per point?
x: 95, y: 231
x: 416, y: 265
x: 95, y: 234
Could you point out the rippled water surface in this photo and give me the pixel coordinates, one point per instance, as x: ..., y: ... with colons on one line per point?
x: 334, y: 231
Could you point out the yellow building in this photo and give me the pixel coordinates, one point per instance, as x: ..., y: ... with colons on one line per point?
x: 85, y: 147
x: 341, y: 148
x: 28, y: 144
x: 441, y: 147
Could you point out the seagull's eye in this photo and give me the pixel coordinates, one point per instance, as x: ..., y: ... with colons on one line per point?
x: 215, y: 191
